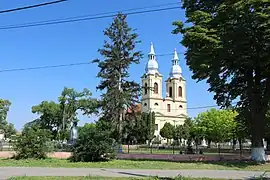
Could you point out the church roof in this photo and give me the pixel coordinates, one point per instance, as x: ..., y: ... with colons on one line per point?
x: 135, y: 108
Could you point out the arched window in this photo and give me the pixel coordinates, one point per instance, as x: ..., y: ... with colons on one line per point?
x: 145, y: 88
x: 170, y: 91
x: 156, y: 88
x: 156, y: 104
x: 145, y: 104
x: 180, y: 91
x: 180, y: 106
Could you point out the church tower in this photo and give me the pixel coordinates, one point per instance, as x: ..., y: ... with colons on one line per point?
x: 152, y: 83
x: 176, y: 85
x: 172, y: 108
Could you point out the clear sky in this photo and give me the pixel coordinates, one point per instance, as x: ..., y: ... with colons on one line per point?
x: 79, y: 42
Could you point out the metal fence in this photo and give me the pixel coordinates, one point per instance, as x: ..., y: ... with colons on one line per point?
x: 169, y: 149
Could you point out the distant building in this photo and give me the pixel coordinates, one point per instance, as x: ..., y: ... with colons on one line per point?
x: 172, y: 108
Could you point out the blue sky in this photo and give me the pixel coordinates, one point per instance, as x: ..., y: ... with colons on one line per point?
x: 78, y: 42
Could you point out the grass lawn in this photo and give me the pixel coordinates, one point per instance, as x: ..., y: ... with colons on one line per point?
x: 129, y: 164
x: 102, y: 178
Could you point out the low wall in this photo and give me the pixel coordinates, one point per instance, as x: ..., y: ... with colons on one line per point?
x: 58, y: 155
x: 165, y: 157
x: 185, y: 158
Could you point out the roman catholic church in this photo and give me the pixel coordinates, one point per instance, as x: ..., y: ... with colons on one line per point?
x: 173, y: 107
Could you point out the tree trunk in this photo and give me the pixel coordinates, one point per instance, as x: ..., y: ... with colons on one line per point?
x: 257, y: 133
x: 258, y: 102
x: 234, y: 144
x: 128, y: 147
x: 267, y: 144
x: 208, y: 144
x: 240, y: 147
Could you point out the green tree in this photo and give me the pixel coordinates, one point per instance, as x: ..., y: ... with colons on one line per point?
x: 34, y: 142
x: 57, y: 117
x: 119, y: 53
x: 150, y: 126
x: 4, y: 108
x: 130, y: 129
x: 178, y: 134
x: 92, y: 144
x: 167, y: 131
x: 217, y: 125
x: 187, y: 126
x: 228, y: 45
x: 8, y: 128
x: 71, y: 102
x: 50, y: 117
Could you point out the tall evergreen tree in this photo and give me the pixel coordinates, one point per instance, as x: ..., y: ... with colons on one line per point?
x: 118, y: 91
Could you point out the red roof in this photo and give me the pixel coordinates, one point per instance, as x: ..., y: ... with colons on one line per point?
x: 136, y: 108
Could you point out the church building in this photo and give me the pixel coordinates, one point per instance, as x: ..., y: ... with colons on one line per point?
x: 173, y: 107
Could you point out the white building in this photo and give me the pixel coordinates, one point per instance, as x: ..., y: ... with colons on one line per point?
x: 172, y: 108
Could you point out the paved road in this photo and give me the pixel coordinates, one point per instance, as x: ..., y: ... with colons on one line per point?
x: 6, y: 172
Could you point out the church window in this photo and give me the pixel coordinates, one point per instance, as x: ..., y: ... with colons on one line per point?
x: 156, y: 127
x: 180, y: 106
x: 156, y: 88
x: 180, y: 91
x: 170, y: 91
x: 168, y: 107
x: 156, y: 104
x: 145, y: 104
x: 145, y: 88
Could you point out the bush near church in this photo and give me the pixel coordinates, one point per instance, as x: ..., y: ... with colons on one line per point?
x: 34, y: 143
x: 92, y: 144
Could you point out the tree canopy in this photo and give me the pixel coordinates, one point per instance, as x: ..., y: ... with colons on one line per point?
x: 92, y: 145
x: 8, y: 128
x: 216, y: 125
x: 57, y: 117
x: 167, y: 131
x: 228, y: 45
x: 34, y: 142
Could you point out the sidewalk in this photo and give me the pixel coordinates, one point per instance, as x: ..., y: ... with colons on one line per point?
x: 7, y: 172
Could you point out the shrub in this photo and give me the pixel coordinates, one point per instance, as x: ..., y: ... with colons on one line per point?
x: 92, y: 144
x: 34, y: 142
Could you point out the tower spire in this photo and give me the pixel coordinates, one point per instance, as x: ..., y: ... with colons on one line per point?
x: 176, y: 70
x: 175, y: 57
x: 152, y: 50
x: 152, y: 65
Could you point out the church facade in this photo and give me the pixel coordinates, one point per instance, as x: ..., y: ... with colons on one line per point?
x: 173, y: 107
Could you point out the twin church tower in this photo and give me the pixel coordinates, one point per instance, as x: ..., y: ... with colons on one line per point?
x: 172, y: 108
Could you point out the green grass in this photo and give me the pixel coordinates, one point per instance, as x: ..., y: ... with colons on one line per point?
x: 103, y: 178
x: 129, y: 164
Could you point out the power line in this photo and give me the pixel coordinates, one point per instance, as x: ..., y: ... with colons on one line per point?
x: 83, y: 19
x: 93, y: 15
x: 60, y: 65
x: 191, y: 108
x: 44, y: 67
x: 32, y: 6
